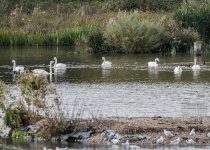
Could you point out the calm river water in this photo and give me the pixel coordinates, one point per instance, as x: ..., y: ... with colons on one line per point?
x: 130, y: 88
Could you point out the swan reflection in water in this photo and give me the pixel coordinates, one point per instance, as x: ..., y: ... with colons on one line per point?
x: 106, y: 72
x: 177, y: 72
x: 153, y: 72
x: 59, y: 72
x: 196, y: 74
x: 177, y: 76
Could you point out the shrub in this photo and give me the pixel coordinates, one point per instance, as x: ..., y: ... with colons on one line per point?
x: 16, y: 117
x: 30, y: 83
x: 184, y: 40
x: 130, y: 34
x: 195, y: 15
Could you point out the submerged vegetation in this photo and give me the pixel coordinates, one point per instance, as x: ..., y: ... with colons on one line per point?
x: 121, y: 26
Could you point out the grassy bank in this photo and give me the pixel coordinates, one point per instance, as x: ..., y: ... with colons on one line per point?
x: 106, y: 26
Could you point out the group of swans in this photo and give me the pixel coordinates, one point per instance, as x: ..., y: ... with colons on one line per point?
x: 105, y: 65
x: 56, y: 66
x: 177, y: 69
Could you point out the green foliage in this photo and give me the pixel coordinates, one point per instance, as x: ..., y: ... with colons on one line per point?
x: 16, y: 117
x: 62, y: 38
x: 152, y: 5
x: 131, y: 35
x: 62, y: 126
x: 195, y: 15
x: 19, y: 39
x: 73, y: 36
x: 184, y: 39
x: 17, y: 134
x: 96, y: 41
x: 5, y: 38
x: 91, y: 6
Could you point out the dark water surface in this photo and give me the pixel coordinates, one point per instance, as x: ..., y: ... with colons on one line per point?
x: 130, y: 88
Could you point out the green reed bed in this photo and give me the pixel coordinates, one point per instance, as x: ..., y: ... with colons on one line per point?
x: 5, y: 38
x: 71, y: 37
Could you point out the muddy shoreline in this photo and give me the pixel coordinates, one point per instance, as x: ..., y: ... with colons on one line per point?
x: 144, y: 131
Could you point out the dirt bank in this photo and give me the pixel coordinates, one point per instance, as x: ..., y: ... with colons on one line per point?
x: 146, y: 130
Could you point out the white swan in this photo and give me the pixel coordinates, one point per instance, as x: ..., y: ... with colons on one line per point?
x: 58, y: 65
x: 106, y: 64
x: 177, y: 70
x: 43, y: 72
x: 153, y: 63
x: 195, y: 66
x: 17, y: 69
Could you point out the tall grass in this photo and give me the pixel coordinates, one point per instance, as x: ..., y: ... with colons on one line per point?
x: 5, y: 38
x: 71, y: 37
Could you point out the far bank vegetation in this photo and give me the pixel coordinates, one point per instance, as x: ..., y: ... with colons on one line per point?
x: 121, y: 26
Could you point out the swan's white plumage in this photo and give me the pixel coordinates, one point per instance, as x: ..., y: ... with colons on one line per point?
x: 195, y: 66
x: 178, y: 69
x: 42, y: 71
x: 106, y: 64
x: 17, y: 69
x: 153, y: 63
x: 59, y: 65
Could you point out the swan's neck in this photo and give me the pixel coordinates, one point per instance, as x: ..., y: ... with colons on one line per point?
x: 55, y: 63
x: 195, y: 61
x: 155, y: 60
x: 14, y: 65
x: 104, y: 59
x: 50, y: 68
